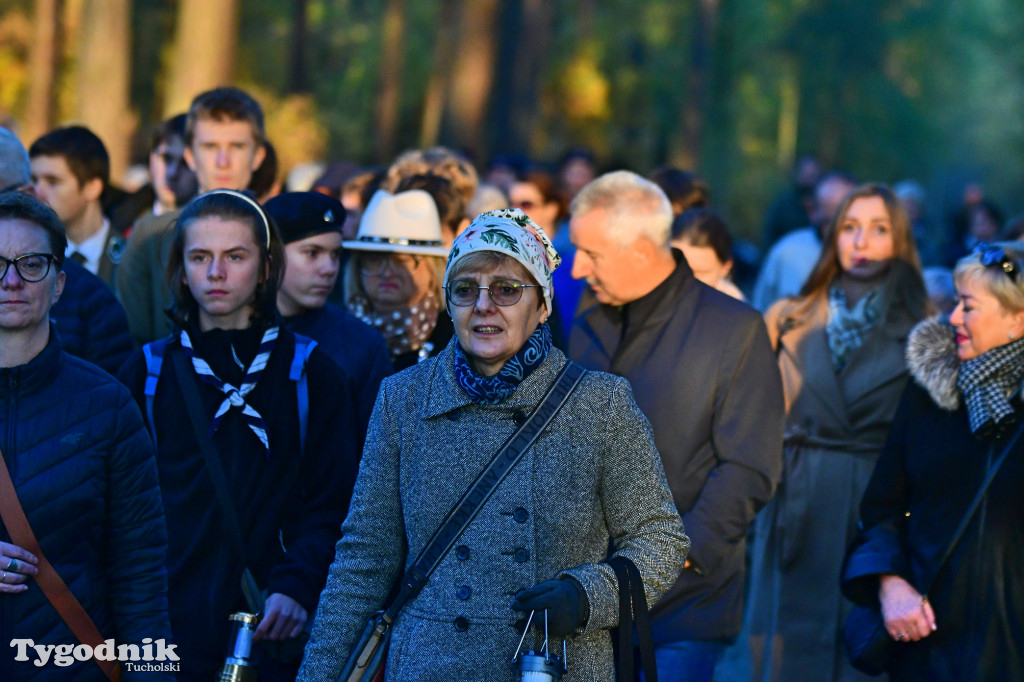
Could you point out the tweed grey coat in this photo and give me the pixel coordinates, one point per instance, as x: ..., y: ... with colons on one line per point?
x: 594, y: 474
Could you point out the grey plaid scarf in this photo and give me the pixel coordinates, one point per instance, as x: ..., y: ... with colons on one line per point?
x: 847, y: 328
x: 987, y: 381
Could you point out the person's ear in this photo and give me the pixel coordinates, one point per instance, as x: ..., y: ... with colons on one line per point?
x: 190, y: 159
x: 58, y: 286
x: 1017, y: 326
x: 92, y: 189
x: 257, y: 158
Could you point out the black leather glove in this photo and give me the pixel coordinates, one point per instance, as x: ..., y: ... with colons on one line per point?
x: 565, y: 601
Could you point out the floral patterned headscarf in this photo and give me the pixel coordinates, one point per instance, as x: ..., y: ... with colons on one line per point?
x: 510, y: 232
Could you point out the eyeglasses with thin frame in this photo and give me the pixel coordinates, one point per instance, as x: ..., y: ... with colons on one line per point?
x: 32, y: 267
x: 374, y: 263
x: 465, y: 292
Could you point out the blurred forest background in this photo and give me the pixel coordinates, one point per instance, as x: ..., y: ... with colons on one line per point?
x: 733, y: 89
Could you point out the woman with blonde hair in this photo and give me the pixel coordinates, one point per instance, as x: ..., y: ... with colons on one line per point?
x: 942, y: 544
x: 393, y: 280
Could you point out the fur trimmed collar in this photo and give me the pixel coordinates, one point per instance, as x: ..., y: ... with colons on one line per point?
x: 932, y: 361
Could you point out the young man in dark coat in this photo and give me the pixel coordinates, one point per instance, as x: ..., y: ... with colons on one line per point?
x: 310, y: 226
x: 70, y: 172
x: 83, y: 471
x: 703, y: 372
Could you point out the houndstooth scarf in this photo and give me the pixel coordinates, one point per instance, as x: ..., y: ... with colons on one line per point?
x: 847, y: 328
x: 236, y: 396
x: 987, y: 381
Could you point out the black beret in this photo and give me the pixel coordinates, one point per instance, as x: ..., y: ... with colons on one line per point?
x: 303, y: 214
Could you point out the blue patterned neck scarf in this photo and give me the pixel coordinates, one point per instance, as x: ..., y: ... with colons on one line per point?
x: 493, y: 390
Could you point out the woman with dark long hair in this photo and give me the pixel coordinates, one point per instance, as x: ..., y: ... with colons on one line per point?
x: 840, y: 345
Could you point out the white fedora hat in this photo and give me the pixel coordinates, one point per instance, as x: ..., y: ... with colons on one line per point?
x: 406, y: 222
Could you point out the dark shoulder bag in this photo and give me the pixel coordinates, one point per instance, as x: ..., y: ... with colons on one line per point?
x: 366, y: 662
x: 633, y: 615
x: 865, y: 638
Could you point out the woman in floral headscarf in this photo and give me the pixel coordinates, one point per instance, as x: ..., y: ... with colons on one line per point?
x: 540, y: 541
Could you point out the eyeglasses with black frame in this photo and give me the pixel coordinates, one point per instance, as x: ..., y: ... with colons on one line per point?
x: 466, y: 292
x: 994, y: 256
x: 373, y: 263
x: 32, y: 267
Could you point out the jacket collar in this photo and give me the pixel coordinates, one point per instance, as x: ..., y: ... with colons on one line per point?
x: 879, y: 360
x: 445, y: 395
x: 37, y: 373
x: 603, y: 323
x: 932, y: 359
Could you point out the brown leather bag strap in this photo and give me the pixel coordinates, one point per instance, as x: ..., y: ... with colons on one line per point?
x: 52, y: 585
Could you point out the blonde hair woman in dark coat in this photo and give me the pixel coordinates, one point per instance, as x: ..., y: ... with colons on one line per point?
x: 541, y: 540
x: 958, y: 416
x: 841, y: 353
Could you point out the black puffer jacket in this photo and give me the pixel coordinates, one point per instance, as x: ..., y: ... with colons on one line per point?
x: 91, y: 321
x: 82, y: 464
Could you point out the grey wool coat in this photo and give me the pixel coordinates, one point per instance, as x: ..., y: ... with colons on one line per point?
x: 836, y: 426
x: 593, y: 475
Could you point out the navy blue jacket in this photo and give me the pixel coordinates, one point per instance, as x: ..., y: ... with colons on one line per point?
x: 91, y: 321
x: 290, y: 503
x: 84, y: 472
x: 354, y: 345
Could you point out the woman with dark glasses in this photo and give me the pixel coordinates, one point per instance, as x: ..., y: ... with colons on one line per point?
x: 593, y: 478
x: 961, y: 617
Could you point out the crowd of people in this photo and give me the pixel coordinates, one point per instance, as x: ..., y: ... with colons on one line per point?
x: 224, y: 398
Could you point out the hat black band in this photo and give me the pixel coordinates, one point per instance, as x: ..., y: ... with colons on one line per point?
x: 399, y: 241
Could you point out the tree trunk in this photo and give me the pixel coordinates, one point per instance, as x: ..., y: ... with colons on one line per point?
x: 39, y: 113
x: 440, y: 76
x: 697, y: 100
x: 298, y: 80
x: 103, y: 79
x: 204, y: 50
x: 389, y: 94
x: 533, y: 43
x: 473, y: 76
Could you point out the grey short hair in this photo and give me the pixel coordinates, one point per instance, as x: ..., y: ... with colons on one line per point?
x: 636, y: 207
x: 15, y: 169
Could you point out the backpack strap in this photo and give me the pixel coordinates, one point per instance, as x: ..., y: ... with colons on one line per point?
x: 303, y: 347
x: 154, y: 354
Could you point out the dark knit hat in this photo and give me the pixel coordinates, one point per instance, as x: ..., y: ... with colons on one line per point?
x: 304, y: 214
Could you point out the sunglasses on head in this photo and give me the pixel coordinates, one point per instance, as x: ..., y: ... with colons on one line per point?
x: 994, y: 256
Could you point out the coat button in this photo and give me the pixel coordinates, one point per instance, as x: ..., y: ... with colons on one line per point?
x: 519, y: 417
x: 461, y: 624
x: 520, y: 515
x: 462, y: 552
x: 522, y: 556
x: 464, y: 592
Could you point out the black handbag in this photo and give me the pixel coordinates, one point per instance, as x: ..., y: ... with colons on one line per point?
x: 366, y: 663
x: 865, y: 637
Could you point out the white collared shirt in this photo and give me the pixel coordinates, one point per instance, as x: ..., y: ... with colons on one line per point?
x: 91, y: 248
